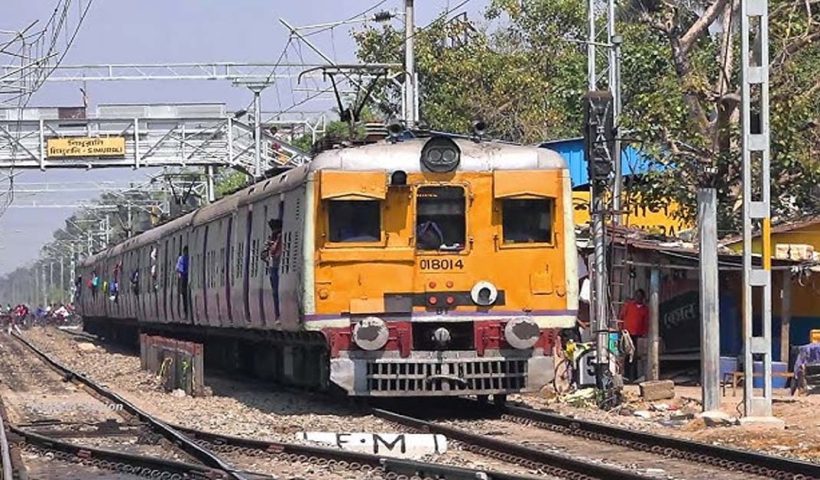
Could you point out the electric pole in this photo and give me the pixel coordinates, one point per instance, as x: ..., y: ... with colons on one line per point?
x: 410, y: 103
x: 754, y: 50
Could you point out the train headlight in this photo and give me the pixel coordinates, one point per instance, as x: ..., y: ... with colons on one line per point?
x: 442, y: 337
x: 484, y: 293
x: 370, y: 333
x: 521, y: 333
x: 440, y: 154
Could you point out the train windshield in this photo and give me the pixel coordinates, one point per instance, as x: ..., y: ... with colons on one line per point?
x: 355, y: 220
x: 440, y: 222
x: 527, y: 221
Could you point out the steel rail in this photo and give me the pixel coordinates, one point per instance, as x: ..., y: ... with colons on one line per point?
x: 557, y: 464
x: 183, y: 442
x: 393, y: 465
x: 721, y: 456
x: 398, y: 466
x: 5, y: 453
x: 114, y: 460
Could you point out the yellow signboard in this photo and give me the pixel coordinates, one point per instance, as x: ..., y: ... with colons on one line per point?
x: 86, y: 147
x: 660, y: 220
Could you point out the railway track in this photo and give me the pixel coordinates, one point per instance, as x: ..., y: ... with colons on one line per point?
x: 544, y: 461
x: 564, y: 449
x: 532, y: 451
x: 52, y: 412
x: 752, y: 463
x: 219, y: 448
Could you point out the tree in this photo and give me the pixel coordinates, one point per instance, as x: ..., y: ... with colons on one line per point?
x: 702, y: 126
x: 524, y: 72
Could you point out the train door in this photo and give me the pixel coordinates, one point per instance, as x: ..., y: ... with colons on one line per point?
x: 273, y: 210
x: 441, y: 231
x: 246, y: 264
x: 258, y: 271
x: 216, y: 269
x: 156, y: 281
x: 204, y: 271
x: 291, y: 280
x: 226, y: 272
x: 239, y: 316
x: 126, y: 290
x: 166, y: 282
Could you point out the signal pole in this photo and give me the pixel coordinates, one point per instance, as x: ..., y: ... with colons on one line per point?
x: 602, y: 108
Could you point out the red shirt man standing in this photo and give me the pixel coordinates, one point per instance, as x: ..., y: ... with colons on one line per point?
x: 635, y: 315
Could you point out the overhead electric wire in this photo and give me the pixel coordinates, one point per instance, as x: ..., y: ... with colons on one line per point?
x: 56, y: 23
x: 353, y: 17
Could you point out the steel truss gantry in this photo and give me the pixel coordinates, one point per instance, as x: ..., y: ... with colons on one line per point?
x: 149, y: 142
x: 229, y: 71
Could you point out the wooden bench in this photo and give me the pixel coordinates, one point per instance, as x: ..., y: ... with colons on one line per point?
x: 736, y: 377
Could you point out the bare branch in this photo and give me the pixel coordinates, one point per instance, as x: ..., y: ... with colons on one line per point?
x: 701, y: 25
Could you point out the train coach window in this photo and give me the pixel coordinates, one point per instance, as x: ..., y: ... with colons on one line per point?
x: 354, y: 220
x: 527, y: 221
x: 440, y: 218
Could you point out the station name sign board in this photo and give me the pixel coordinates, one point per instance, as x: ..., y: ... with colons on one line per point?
x: 86, y: 147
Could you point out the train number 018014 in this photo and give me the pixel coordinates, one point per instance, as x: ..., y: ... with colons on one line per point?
x: 441, y: 264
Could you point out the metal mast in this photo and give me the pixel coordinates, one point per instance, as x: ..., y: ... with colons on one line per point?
x: 754, y: 24
x: 410, y: 113
x: 603, y: 79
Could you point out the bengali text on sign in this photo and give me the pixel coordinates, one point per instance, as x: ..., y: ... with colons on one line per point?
x: 86, y: 147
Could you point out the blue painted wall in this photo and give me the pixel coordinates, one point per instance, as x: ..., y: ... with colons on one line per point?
x: 572, y: 149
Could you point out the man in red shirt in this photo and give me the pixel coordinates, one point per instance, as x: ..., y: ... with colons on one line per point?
x: 635, y: 320
x: 635, y: 315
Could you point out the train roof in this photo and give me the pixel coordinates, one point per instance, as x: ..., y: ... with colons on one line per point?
x: 405, y: 155
x: 386, y: 155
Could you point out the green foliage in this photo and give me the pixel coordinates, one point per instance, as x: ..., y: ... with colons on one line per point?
x: 523, y: 70
x: 229, y: 181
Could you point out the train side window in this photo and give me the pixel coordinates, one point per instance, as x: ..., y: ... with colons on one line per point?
x: 354, y: 220
x: 527, y: 220
x: 440, y: 218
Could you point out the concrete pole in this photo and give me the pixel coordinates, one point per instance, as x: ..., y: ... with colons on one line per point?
x: 209, y: 185
x: 652, y: 362
x: 36, y: 285
x: 73, y: 269
x: 409, y: 64
x: 50, y: 282
x: 130, y: 221
x: 43, y: 284
x: 62, y: 279
x: 709, y: 315
x: 89, y: 242
x: 785, y: 316
x: 257, y: 132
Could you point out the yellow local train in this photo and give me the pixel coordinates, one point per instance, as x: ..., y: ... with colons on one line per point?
x: 426, y: 266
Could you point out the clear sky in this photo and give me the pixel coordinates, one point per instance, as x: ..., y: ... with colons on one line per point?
x: 157, y: 31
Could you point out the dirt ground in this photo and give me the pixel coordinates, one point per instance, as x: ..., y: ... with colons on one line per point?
x: 798, y: 438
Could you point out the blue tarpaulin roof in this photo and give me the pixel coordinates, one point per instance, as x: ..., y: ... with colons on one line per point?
x: 572, y: 149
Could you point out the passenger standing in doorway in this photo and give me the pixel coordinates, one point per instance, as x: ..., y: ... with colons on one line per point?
x: 182, y: 278
x: 272, y: 256
x: 635, y: 318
